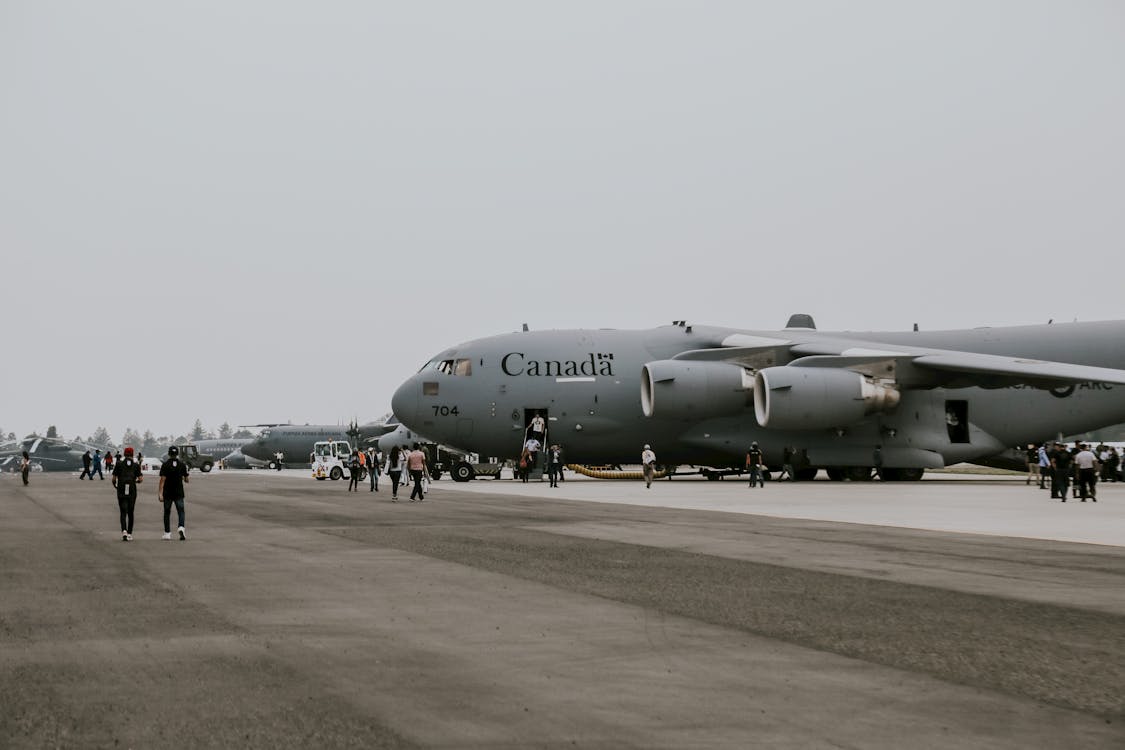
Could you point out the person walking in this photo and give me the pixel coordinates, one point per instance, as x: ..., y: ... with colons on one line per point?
x: 648, y: 465
x: 1044, y: 467
x: 754, y: 465
x: 125, y: 477
x: 538, y: 427
x: 86, y: 459
x: 373, y: 469
x: 416, y: 463
x: 1087, y: 465
x: 355, y: 468
x: 173, y: 477
x: 1061, y: 462
x: 395, y: 465
x: 97, y: 465
x: 1032, y: 457
x: 554, y: 465
x: 109, y: 462
x: 25, y: 467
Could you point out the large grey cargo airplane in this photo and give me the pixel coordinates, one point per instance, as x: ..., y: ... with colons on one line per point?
x: 48, y: 454
x: 296, y: 441
x: 701, y: 394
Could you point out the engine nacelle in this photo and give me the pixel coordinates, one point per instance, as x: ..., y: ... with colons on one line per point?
x: 691, y: 389
x: 811, y: 398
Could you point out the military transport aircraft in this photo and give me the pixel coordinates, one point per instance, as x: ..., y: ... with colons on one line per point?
x: 701, y: 394
x: 230, y: 451
x: 296, y: 441
x: 49, y: 454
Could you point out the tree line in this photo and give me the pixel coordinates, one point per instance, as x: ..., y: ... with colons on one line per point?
x: 148, y: 441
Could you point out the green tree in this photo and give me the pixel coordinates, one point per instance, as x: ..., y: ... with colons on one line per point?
x: 244, y: 433
x: 149, y: 444
x: 131, y: 437
x: 52, y: 432
x: 225, y: 431
x: 197, y: 431
x: 101, y: 438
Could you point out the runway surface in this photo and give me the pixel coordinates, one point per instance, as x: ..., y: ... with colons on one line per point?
x: 502, y: 615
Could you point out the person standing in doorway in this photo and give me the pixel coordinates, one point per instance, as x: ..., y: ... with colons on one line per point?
x: 754, y: 465
x: 25, y: 467
x: 538, y: 428
x: 126, y: 476
x: 173, y: 477
x: 648, y: 465
x: 416, y: 463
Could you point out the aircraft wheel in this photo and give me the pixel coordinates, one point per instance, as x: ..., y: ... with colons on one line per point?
x: 858, y: 473
x: 805, y: 475
x: 836, y: 475
x: 272, y: 465
x: 336, y: 474
x: 902, y: 475
x: 206, y: 467
x: 462, y: 472
x: 435, y: 474
x: 712, y: 476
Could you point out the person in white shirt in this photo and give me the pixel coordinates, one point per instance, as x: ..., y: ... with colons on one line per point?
x: 648, y: 465
x: 538, y: 428
x: 1087, y: 465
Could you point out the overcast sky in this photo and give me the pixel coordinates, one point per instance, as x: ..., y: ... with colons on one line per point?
x: 266, y: 211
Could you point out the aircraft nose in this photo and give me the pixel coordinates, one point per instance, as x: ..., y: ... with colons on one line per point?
x: 404, y: 403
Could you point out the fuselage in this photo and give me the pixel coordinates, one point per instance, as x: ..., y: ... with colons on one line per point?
x: 480, y: 397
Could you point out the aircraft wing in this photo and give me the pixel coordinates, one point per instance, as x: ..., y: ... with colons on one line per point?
x: 1031, y: 371
x: 914, y: 367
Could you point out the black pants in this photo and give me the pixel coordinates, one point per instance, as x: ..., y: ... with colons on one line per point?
x: 179, y: 503
x: 1060, y: 483
x: 396, y: 477
x: 24, y: 472
x: 553, y: 472
x: 1087, y: 478
x: 86, y: 472
x: 416, y: 475
x: 127, y: 504
x: 353, y: 482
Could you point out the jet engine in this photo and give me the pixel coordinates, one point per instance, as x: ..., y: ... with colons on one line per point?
x: 691, y: 389
x: 810, y: 398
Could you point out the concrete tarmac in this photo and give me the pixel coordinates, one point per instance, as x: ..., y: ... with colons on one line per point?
x: 497, y: 614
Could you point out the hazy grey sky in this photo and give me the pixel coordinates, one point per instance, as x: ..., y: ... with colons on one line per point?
x: 261, y: 211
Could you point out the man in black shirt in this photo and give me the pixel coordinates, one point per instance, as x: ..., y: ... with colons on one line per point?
x: 1061, y: 461
x: 87, y: 459
x: 173, y: 477
x: 126, y: 476
x: 754, y: 465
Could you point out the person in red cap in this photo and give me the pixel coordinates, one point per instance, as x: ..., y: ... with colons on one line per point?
x: 126, y: 476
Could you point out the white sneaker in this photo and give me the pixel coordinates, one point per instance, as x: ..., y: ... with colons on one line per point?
x: 128, y: 537
x: 183, y: 536
x: 124, y: 536
x: 167, y: 535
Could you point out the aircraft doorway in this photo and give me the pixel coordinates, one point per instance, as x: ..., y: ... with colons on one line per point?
x: 535, y: 423
x: 957, y: 421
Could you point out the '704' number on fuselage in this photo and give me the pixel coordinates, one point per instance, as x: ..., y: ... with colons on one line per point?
x: 446, y: 411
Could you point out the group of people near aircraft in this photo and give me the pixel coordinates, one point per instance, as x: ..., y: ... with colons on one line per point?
x: 1058, y: 467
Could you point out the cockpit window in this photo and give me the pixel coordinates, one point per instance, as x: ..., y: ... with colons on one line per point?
x: 265, y: 434
x: 460, y: 367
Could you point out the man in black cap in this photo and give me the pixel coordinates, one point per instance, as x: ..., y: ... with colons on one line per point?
x: 126, y: 476
x: 173, y: 477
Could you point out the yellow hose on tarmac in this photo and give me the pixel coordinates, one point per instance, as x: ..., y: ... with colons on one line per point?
x: 614, y: 473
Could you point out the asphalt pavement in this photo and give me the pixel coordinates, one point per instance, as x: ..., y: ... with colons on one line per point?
x: 496, y: 615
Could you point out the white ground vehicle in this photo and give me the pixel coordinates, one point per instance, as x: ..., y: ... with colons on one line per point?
x: 330, y: 460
